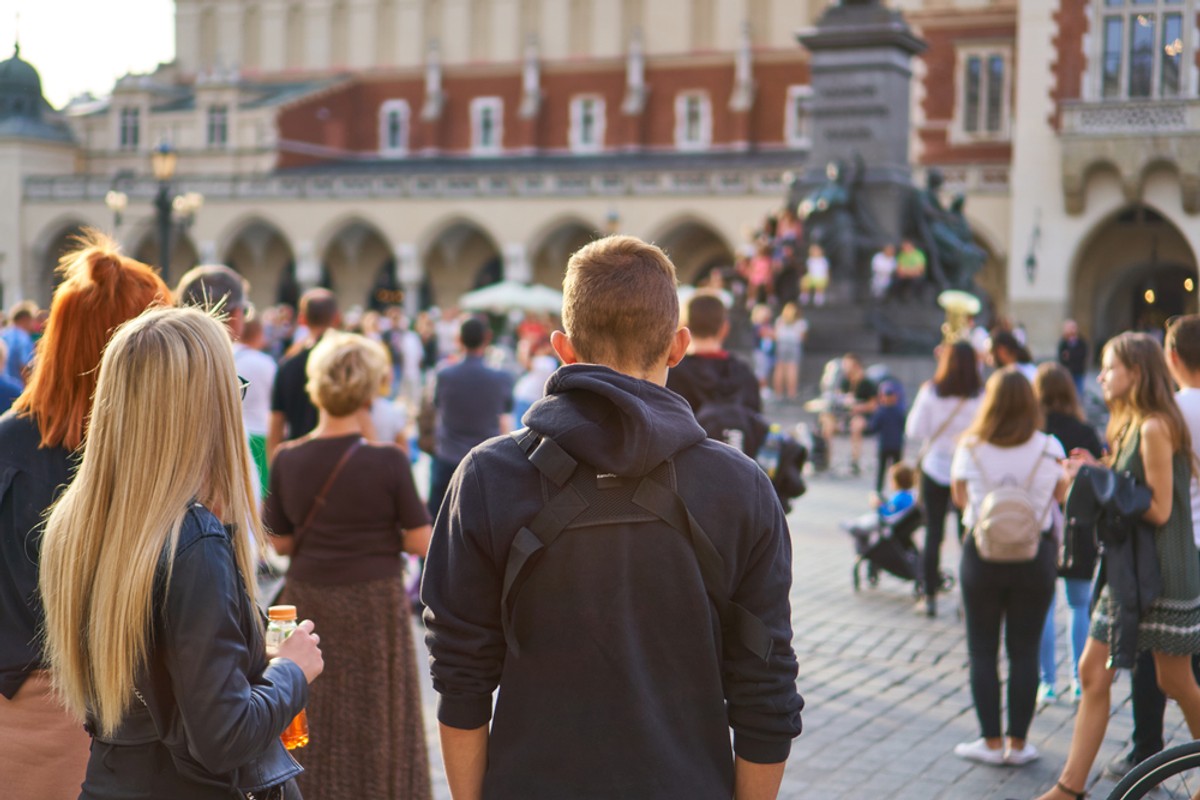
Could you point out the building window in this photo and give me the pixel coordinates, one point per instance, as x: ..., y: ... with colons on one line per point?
x: 693, y: 121
x: 487, y: 125
x: 587, y: 124
x: 218, y: 126
x: 984, y: 78
x: 129, y: 133
x: 797, y: 121
x: 394, y: 128
x: 1144, y: 47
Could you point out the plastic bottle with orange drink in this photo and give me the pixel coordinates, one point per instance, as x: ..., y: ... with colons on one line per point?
x: 281, y: 623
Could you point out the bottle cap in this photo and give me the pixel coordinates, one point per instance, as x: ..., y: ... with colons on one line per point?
x: 281, y: 613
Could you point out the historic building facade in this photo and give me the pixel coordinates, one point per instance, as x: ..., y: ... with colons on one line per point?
x: 432, y: 145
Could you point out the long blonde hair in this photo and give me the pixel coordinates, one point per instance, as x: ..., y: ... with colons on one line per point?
x: 166, y: 429
x: 1150, y: 395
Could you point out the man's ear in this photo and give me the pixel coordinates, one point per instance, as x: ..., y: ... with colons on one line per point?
x: 679, y: 346
x: 562, y: 345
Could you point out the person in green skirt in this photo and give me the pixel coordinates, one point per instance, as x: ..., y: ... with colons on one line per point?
x: 1147, y: 436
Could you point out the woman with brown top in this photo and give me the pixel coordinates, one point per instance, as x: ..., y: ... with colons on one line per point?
x: 345, y: 511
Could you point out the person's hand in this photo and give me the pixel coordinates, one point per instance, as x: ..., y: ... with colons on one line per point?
x: 1085, y: 458
x: 301, y: 648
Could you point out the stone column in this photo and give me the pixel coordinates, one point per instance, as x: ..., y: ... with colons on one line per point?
x: 516, y: 264
x: 409, y: 275
x: 273, y: 30
x: 308, y: 266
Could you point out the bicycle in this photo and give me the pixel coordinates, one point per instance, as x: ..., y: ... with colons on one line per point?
x: 1173, y: 773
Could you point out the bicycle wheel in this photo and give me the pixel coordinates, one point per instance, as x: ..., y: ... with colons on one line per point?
x: 1173, y: 773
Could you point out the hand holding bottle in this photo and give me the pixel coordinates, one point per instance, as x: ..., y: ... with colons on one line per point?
x: 301, y: 647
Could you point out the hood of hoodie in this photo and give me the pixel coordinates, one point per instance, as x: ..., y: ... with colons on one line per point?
x: 615, y: 422
x: 712, y: 376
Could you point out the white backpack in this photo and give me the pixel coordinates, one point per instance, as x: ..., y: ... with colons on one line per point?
x: 1008, y: 529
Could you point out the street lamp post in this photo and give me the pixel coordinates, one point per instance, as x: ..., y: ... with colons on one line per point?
x: 162, y: 162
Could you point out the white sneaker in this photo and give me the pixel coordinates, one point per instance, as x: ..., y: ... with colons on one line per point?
x: 1023, y: 756
x: 978, y: 750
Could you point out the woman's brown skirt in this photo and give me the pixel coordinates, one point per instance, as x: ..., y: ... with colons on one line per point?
x: 43, y: 752
x: 367, y: 738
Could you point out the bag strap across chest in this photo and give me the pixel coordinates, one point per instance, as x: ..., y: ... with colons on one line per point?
x: 568, y: 503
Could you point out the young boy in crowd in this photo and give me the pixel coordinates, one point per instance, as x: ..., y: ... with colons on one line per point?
x: 887, y: 423
x: 602, y: 628
x: 892, y: 506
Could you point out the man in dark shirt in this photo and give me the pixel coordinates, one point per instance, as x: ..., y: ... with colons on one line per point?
x: 1073, y: 353
x: 710, y: 379
x: 292, y: 413
x: 473, y: 402
x: 857, y: 397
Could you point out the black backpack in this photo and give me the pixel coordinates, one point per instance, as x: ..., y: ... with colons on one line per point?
x: 581, y: 498
x: 731, y: 422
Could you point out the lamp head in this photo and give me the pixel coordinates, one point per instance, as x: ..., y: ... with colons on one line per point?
x: 162, y: 161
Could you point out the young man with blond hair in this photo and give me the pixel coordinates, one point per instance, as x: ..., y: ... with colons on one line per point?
x: 624, y: 649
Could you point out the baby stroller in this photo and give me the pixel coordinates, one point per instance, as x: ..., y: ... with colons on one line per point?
x: 890, y: 547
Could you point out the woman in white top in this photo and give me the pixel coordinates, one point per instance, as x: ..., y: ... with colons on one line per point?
x: 1003, y: 447
x: 942, y: 410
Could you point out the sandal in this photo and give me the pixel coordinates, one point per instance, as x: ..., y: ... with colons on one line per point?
x: 1074, y: 794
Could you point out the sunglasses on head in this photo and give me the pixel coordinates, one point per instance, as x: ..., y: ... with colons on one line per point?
x: 243, y: 385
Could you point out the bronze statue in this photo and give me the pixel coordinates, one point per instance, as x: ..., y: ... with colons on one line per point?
x: 944, y: 235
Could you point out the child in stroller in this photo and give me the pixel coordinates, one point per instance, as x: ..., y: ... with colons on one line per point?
x: 884, y: 539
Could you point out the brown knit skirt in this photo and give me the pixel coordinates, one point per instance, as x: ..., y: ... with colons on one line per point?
x: 367, y: 739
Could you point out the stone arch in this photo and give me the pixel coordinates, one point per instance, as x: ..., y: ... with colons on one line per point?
x: 261, y: 252
x: 554, y: 243
x: 50, y: 245
x: 695, y: 245
x: 352, y: 260
x: 457, y: 255
x: 1132, y: 271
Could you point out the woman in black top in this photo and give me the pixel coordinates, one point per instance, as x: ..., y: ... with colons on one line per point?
x: 1055, y: 390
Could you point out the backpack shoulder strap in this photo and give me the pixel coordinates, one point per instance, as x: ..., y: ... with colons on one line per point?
x: 556, y: 466
x: 1037, y: 462
x: 978, y: 464
x: 736, y: 620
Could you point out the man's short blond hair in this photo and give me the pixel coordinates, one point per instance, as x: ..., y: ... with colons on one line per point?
x: 344, y: 372
x: 620, y: 303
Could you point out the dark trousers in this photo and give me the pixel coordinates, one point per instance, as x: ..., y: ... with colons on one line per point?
x: 440, y: 473
x: 936, y: 499
x: 886, y: 459
x: 1016, y: 596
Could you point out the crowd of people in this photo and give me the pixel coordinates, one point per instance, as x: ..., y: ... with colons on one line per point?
x: 167, y: 446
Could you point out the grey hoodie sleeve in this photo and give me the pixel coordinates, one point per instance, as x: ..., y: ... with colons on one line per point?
x: 763, y: 703
x: 461, y: 589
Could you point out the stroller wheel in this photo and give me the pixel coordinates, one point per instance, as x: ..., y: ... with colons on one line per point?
x: 947, y: 581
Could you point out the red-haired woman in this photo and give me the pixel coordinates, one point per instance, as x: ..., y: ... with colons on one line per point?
x: 43, y: 752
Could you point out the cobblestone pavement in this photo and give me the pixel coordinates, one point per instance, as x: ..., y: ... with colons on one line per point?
x: 886, y: 689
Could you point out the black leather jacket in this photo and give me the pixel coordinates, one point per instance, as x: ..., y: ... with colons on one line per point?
x: 1109, y: 506
x: 209, y: 694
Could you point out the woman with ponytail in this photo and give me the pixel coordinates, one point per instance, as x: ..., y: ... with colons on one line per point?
x: 147, y: 577
x: 43, y: 751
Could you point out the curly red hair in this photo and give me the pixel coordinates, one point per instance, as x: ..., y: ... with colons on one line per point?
x: 100, y: 290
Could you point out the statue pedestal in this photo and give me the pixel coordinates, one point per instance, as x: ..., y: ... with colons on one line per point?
x: 861, y: 79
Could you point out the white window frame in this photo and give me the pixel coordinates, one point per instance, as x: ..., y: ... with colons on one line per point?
x: 599, y: 120
x: 1100, y: 12
x: 129, y: 144
x: 796, y: 134
x: 682, y: 140
x: 216, y: 119
x: 389, y: 109
x: 478, y: 107
x: 984, y: 52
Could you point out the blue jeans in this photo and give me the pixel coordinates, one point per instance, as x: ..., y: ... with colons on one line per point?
x: 1079, y: 593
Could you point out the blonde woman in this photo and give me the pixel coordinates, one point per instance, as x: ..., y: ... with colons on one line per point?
x: 345, y: 511
x: 147, y: 575
x: 1149, y: 438
x: 43, y: 751
x: 791, y: 329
